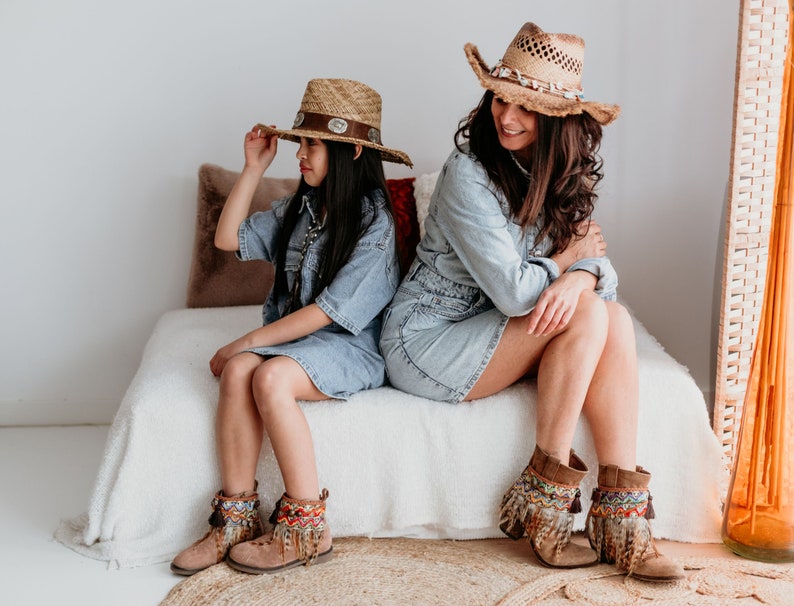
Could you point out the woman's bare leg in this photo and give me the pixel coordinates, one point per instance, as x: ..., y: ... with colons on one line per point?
x: 238, y: 427
x: 564, y: 362
x: 611, y: 403
x: 277, y: 385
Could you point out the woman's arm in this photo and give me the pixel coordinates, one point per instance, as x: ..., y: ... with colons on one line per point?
x: 259, y: 153
x: 293, y: 326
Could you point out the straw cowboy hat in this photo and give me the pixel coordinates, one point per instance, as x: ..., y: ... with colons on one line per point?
x: 541, y: 72
x: 335, y: 109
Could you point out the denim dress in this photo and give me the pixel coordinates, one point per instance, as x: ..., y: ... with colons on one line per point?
x: 343, y: 357
x: 475, y: 268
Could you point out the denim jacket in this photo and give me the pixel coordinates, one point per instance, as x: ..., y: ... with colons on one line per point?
x: 471, y: 241
x: 362, y: 287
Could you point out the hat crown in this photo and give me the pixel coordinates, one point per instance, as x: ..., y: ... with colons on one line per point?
x: 547, y: 57
x: 341, y: 98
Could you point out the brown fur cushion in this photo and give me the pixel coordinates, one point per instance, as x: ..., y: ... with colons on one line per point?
x: 218, y: 279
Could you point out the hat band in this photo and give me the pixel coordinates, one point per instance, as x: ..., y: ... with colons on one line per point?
x: 503, y: 72
x: 334, y: 125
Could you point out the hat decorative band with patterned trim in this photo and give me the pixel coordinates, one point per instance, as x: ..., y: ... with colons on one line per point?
x: 500, y: 70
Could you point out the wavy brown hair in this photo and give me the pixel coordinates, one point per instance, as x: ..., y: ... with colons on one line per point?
x: 564, y: 172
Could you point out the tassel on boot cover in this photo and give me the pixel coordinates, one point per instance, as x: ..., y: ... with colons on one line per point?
x: 301, y: 536
x: 618, y: 525
x: 233, y: 520
x: 542, y: 503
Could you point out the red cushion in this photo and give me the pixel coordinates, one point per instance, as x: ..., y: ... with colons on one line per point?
x: 404, y: 206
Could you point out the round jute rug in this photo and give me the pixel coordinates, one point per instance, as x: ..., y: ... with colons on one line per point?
x: 495, y: 572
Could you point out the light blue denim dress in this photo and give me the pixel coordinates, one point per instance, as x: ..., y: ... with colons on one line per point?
x: 475, y: 268
x: 343, y: 357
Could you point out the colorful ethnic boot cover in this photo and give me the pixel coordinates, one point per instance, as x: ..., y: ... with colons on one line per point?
x: 618, y: 525
x: 301, y: 536
x: 542, y: 503
x: 233, y: 520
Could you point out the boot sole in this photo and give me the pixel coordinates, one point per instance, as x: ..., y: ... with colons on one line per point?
x: 186, y: 572
x: 667, y: 579
x: 321, y: 558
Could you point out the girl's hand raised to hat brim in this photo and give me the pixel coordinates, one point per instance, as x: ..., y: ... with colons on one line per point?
x: 259, y: 153
x: 260, y: 149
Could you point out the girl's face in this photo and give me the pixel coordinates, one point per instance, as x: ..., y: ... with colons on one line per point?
x: 313, y: 157
x: 516, y: 127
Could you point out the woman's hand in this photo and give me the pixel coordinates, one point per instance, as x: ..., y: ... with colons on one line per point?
x: 590, y: 246
x: 260, y: 149
x: 557, y: 304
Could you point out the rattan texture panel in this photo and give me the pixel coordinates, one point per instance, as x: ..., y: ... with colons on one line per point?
x: 763, y: 29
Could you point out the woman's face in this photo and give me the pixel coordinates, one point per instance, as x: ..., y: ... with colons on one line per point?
x: 313, y: 157
x: 516, y: 127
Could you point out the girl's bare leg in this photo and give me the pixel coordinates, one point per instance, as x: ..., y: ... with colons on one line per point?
x: 277, y: 385
x: 611, y: 403
x: 238, y: 427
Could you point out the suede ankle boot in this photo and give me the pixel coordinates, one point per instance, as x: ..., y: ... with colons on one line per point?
x: 300, y: 536
x: 618, y: 525
x: 542, y: 503
x: 233, y: 520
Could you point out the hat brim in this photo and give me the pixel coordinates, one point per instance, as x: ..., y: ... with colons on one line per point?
x: 295, y: 134
x: 537, y: 101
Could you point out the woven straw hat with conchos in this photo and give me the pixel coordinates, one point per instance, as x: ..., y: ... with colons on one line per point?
x: 335, y: 109
x: 541, y: 72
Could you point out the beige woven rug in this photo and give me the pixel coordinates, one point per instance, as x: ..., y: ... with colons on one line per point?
x: 415, y: 572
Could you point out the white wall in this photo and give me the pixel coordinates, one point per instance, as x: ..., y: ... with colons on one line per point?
x: 108, y: 108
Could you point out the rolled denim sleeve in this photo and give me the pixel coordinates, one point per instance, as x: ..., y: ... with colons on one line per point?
x: 602, y: 269
x: 368, y: 281
x: 468, y: 212
x: 258, y: 234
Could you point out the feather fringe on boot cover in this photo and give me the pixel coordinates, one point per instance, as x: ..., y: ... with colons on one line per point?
x: 618, y: 527
x: 542, y: 509
x: 542, y: 503
x: 233, y: 520
x: 300, y: 524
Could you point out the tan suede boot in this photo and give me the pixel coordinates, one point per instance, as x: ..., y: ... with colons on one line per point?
x: 542, y: 503
x: 618, y: 525
x: 233, y: 520
x: 301, y: 536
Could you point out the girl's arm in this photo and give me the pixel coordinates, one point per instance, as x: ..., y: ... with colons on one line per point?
x: 259, y: 153
x: 293, y: 326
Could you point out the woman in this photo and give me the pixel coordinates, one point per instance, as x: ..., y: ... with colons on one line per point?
x: 511, y: 280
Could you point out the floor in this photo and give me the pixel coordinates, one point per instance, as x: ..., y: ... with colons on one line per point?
x: 47, y: 474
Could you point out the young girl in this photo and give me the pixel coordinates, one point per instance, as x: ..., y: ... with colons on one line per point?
x: 333, y: 246
x: 511, y: 280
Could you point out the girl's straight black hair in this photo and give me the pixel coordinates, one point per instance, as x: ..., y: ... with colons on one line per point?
x: 341, y: 196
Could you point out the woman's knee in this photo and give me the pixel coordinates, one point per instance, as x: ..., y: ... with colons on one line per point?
x: 591, y: 314
x: 621, y: 324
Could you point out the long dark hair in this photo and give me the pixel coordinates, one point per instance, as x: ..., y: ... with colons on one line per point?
x: 341, y: 195
x: 564, y: 172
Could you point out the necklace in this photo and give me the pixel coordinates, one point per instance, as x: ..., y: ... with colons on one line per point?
x: 308, y: 240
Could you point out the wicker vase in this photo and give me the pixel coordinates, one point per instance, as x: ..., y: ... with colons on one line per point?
x: 759, y: 513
